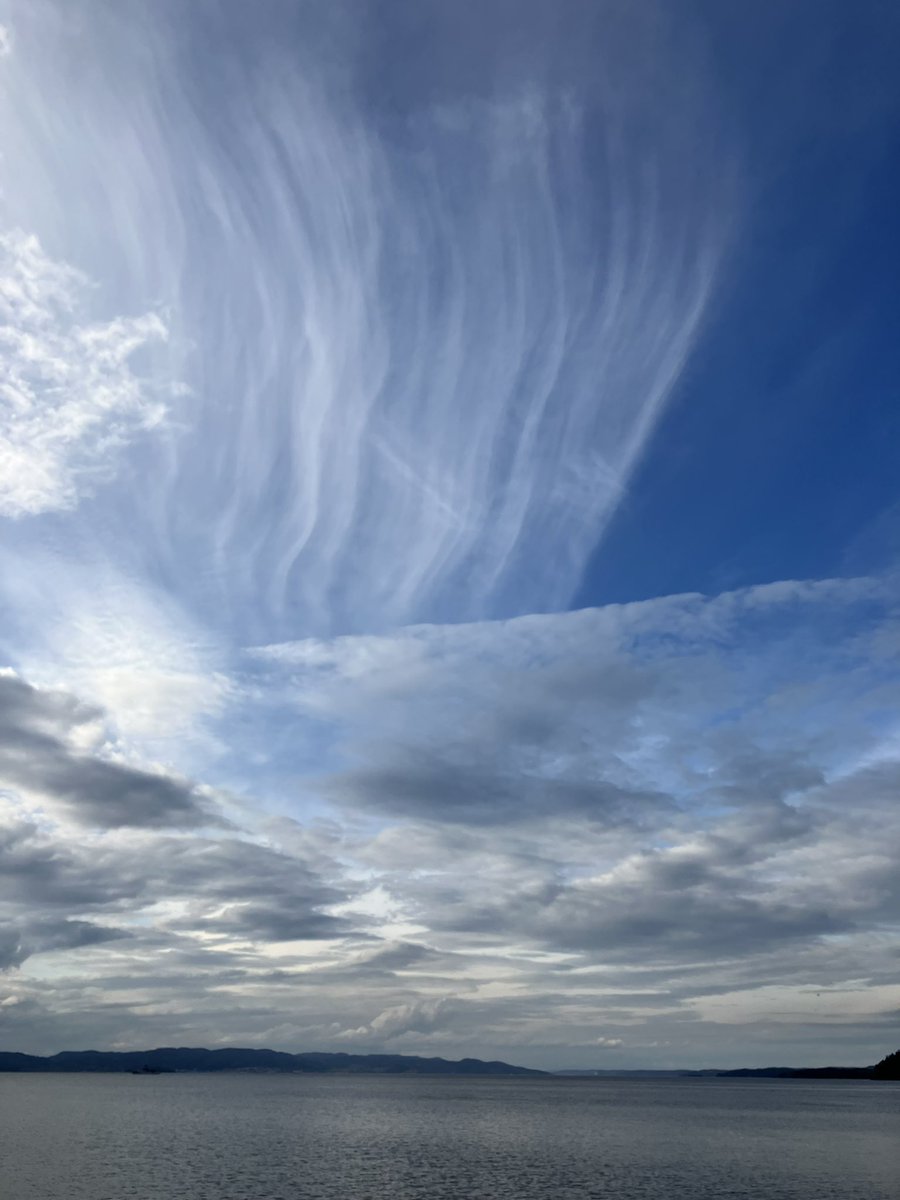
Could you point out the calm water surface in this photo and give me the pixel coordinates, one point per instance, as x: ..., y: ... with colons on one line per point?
x: 301, y: 1137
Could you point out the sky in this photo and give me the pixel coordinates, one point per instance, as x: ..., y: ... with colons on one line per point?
x: 449, y: 529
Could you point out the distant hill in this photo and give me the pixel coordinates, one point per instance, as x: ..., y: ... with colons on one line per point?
x: 598, y: 1073
x: 888, y: 1068
x: 184, y: 1059
x: 800, y: 1073
x: 168, y: 1058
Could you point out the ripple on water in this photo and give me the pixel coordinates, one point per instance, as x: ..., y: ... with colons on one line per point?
x: 270, y: 1137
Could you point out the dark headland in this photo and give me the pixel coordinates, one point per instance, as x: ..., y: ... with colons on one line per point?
x: 168, y: 1059
x: 888, y: 1068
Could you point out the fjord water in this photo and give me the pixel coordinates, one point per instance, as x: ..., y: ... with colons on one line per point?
x: 305, y: 1137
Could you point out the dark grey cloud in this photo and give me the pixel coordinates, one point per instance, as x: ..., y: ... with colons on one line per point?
x: 757, y: 895
x: 671, y: 916
x: 59, y: 892
x: 36, y: 754
x: 433, y: 786
x: 19, y: 942
x: 234, y: 885
x: 618, y: 728
x: 708, y: 898
x: 395, y: 956
x: 286, y: 920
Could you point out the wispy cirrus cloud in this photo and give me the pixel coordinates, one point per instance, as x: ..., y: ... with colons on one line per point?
x: 426, y: 343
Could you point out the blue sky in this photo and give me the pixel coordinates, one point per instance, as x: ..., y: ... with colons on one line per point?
x: 778, y: 455
x: 449, y: 528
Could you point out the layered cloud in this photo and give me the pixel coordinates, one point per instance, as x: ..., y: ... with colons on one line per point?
x: 49, y: 750
x: 618, y: 830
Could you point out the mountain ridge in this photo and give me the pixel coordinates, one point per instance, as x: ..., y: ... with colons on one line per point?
x: 232, y: 1058
x: 888, y: 1068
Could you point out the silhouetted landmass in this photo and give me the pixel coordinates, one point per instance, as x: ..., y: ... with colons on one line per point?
x: 800, y: 1073
x: 637, y: 1074
x: 166, y: 1059
x: 888, y: 1068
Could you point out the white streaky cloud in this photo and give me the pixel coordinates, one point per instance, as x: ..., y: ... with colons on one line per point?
x: 784, y: 1005
x: 422, y: 1016
x: 425, y: 347
x: 5, y: 42
x: 69, y: 398
x: 437, y: 387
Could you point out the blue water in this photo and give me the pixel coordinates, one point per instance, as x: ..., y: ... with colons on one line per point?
x: 274, y: 1137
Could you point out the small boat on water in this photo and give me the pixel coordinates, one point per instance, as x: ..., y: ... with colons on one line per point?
x: 145, y: 1070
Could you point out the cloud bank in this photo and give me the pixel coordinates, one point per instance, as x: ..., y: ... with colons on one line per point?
x: 660, y: 832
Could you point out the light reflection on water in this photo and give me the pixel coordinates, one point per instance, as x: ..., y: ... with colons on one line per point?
x: 303, y: 1137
